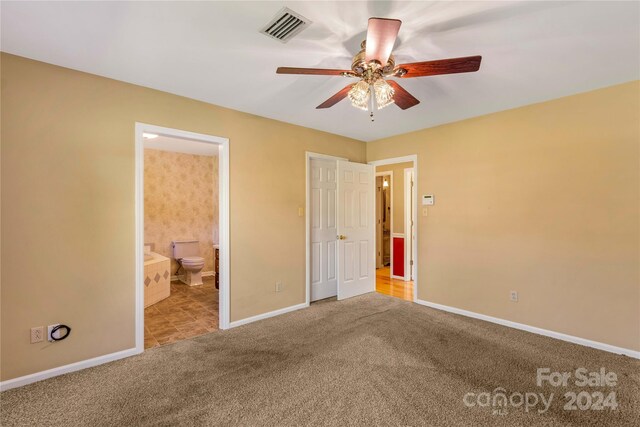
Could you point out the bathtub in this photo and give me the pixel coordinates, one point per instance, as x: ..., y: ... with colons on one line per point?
x: 157, y: 278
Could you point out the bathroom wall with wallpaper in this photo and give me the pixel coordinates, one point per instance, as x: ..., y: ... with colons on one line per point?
x: 180, y: 202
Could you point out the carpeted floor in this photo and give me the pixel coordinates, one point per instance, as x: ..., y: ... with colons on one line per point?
x: 369, y: 360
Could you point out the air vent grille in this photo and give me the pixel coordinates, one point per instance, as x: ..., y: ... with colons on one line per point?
x: 285, y: 25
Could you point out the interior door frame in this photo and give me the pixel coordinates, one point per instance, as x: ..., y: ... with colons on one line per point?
x: 409, y: 271
x: 390, y: 175
x: 307, y: 216
x: 410, y: 158
x: 223, y: 235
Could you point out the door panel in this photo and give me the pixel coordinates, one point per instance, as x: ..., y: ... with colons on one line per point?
x: 356, y: 226
x: 323, y: 214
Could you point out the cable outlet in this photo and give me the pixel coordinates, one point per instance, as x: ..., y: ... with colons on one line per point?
x: 37, y: 334
x: 49, y: 328
x: 279, y: 286
x: 513, y: 296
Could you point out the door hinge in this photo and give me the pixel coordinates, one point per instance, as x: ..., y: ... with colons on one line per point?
x: 411, y: 262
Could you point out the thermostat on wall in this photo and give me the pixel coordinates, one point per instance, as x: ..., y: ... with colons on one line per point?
x: 427, y: 199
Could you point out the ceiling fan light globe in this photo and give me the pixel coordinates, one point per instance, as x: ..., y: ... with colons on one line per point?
x: 359, y: 95
x: 383, y: 93
x: 385, y: 104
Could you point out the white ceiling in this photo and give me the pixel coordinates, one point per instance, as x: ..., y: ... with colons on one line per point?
x: 212, y: 51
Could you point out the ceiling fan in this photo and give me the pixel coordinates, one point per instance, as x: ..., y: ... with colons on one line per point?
x: 375, y: 63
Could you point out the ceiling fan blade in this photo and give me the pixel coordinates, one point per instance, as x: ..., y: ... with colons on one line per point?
x: 336, y: 98
x: 401, y: 97
x: 312, y: 71
x: 468, y: 64
x: 381, y: 36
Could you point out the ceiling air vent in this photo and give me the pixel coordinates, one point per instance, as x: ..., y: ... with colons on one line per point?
x: 285, y: 25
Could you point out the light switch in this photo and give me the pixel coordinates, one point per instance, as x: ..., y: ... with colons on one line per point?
x: 424, y: 211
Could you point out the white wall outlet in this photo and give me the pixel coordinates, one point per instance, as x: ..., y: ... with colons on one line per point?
x: 49, y: 328
x: 279, y: 286
x: 300, y: 211
x: 37, y: 334
x: 513, y: 296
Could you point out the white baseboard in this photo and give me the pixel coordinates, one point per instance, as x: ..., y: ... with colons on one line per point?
x: 54, y: 372
x: 557, y: 335
x: 397, y: 277
x: 267, y: 315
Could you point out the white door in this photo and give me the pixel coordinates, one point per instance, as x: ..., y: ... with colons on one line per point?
x: 324, y: 255
x: 356, y: 229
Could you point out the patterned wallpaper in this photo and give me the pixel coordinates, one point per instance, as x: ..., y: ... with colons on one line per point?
x: 180, y: 202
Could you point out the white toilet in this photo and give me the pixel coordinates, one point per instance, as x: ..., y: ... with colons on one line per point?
x: 187, y: 253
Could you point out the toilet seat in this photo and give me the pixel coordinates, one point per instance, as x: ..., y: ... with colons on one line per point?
x: 192, y: 260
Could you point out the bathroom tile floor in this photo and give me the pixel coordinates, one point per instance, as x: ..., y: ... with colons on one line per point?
x: 189, y: 311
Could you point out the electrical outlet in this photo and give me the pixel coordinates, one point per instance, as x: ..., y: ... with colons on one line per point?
x: 279, y: 286
x: 37, y: 334
x: 513, y: 296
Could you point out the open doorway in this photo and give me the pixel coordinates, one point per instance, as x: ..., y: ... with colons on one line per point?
x: 395, y: 227
x: 182, y: 253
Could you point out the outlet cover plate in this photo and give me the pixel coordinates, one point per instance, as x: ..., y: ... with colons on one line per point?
x: 37, y: 334
x: 49, y: 328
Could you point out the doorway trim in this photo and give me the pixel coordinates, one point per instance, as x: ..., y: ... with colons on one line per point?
x: 409, y: 271
x: 307, y: 216
x: 390, y: 175
x: 410, y: 158
x: 223, y: 203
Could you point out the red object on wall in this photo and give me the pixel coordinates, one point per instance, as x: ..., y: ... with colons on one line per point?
x: 398, y: 256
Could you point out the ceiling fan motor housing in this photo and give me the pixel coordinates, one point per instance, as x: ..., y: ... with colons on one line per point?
x: 371, y: 71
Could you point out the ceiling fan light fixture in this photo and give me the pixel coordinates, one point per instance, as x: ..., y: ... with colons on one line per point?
x: 384, y: 93
x: 359, y: 95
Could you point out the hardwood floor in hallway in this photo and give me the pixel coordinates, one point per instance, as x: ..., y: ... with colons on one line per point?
x: 393, y: 287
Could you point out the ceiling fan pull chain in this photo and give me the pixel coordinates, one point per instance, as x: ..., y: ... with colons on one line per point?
x: 371, y: 103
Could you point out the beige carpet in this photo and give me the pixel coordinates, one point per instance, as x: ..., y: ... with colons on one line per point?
x: 370, y: 360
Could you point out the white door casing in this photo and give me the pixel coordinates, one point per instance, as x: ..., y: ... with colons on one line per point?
x: 323, y: 218
x: 356, y: 229
x: 408, y: 224
x: 379, y: 263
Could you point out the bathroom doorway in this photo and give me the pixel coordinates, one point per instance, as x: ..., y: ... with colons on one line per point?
x: 182, y: 252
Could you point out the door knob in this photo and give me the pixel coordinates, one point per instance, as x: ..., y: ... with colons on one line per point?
x: 341, y: 237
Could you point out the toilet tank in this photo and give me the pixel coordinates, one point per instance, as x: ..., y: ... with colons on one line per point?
x: 185, y: 248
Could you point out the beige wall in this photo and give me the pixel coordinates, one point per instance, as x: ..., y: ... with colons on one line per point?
x: 397, y: 192
x: 68, y: 212
x: 180, y: 202
x: 542, y: 199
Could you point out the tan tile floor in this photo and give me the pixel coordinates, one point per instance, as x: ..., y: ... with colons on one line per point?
x: 189, y: 311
